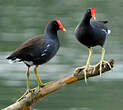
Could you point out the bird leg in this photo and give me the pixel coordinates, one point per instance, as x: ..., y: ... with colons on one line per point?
x: 102, y: 57
x: 86, y: 66
x: 38, y: 78
x: 102, y: 60
x: 107, y: 63
x: 27, y: 78
x: 27, y: 90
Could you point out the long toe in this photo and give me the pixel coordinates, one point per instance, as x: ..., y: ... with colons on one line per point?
x: 42, y: 85
x: 100, y: 68
x: 84, y: 68
x: 85, y: 72
x: 78, y: 69
x: 85, y: 75
x: 23, y: 96
x: 107, y: 63
x: 93, y: 66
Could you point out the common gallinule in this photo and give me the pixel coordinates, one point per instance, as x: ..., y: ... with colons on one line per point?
x: 39, y: 49
x: 92, y: 33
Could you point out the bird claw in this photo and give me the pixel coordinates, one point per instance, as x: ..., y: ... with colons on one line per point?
x: 101, y: 65
x: 84, y: 68
x: 94, y: 67
x: 107, y: 63
x: 42, y: 85
x: 77, y: 69
x: 27, y: 91
x: 30, y: 90
x: 85, y: 75
x: 85, y: 71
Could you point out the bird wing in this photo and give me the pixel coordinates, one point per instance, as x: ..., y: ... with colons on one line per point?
x: 24, y: 51
x: 103, y: 22
x: 99, y: 25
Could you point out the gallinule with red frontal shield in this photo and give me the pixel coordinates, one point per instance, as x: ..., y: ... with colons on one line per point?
x: 92, y: 33
x: 39, y: 49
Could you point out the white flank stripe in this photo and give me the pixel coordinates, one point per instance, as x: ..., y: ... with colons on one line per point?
x: 43, y: 54
x: 104, y: 31
x: 48, y: 45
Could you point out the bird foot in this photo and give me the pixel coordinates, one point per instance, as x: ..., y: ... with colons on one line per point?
x: 94, y: 67
x: 101, y: 64
x: 42, y: 85
x: 30, y: 90
x: 78, y: 69
x: 85, y: 71
x: 84, y: 68
x: 38, y: 87
x: 23, y: 96
x: 107, y: 63
x: 85, y: 74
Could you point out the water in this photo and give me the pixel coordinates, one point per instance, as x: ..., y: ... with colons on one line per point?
x: 20, y: 20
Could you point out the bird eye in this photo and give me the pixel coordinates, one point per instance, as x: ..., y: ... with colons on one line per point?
x: 55, y: 24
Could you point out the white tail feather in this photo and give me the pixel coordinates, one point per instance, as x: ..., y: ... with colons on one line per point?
x: 109, y: 31
x: 13, y: 61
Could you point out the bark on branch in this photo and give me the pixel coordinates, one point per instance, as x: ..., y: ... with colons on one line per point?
x: 37, y: 93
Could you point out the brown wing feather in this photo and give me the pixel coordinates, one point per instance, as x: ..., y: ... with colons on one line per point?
x: 24, y: 50
x: 31, y: 42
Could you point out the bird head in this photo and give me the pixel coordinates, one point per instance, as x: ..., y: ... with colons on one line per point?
x: 60, y: 25
x: 55, y: 25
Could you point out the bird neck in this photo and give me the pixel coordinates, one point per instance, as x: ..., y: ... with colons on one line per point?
x: 51, y: 29
x: 86, y: 19
x: 51, y: 34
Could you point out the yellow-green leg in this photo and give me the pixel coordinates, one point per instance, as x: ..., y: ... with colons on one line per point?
x: 102, y: 60
x: 102, y: 57
x: 87, y: 64
x: 27, y: 78
x: 37, y: 76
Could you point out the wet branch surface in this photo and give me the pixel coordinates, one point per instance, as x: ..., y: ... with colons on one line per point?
x: 37, y: 93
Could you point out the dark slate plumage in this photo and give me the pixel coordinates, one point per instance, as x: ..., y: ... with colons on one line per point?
x: 91, y: 33
x: 38, y: 49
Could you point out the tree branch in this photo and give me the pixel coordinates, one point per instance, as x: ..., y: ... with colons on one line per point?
x: 37, y: 93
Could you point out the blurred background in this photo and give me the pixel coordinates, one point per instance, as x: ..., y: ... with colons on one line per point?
x: 23, y: 19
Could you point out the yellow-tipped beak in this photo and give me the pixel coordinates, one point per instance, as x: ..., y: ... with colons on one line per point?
x: 64, y: 30
x: 94, y: 18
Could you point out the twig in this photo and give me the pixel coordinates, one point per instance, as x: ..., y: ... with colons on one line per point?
x: 37, y: 93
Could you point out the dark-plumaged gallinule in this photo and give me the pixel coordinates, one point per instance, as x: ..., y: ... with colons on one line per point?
x: 39, y: 49
x: 92, y: 33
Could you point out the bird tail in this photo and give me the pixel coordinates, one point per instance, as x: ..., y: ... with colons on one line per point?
x: 104, y: 22
x: 13, y: 59
x: 109, y: 31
